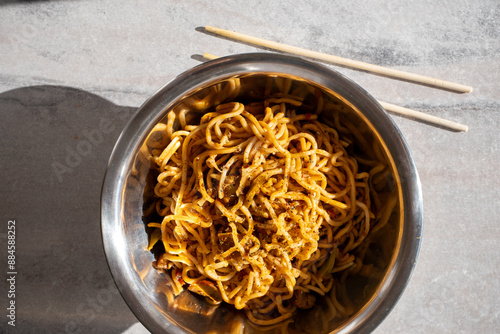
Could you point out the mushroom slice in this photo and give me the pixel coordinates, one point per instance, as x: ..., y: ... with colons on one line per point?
x: 206, y: 289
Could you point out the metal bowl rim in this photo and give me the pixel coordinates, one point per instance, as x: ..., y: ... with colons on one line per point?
x: 151, y: 112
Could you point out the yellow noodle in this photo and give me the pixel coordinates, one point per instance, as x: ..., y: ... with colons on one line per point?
x: 257, y: 199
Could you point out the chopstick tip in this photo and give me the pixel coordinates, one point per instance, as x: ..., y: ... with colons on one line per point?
x: 209, y: 56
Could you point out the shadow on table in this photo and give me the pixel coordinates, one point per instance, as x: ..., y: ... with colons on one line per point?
x: 56, y: 142
x: 25, y: 2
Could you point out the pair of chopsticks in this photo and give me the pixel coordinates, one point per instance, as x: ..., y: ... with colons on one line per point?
x: 362, y: 66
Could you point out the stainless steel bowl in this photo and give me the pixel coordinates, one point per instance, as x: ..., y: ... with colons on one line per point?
x: 126, y: 203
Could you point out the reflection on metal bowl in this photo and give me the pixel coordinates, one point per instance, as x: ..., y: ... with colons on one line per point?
x: 127, y: 204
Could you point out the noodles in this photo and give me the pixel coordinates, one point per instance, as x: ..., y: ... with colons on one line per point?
x: 260, y: 204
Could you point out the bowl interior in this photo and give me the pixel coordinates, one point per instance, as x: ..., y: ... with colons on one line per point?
x: 128, y: 202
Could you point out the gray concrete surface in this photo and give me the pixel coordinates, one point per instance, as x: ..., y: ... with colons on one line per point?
x: 73, y: 72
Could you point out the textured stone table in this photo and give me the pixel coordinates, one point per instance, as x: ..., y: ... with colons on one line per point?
x: 73, y: 72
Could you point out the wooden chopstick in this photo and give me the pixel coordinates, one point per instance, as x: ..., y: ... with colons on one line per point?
x: 209, y: 56
x: 424, y: 117
x: 441, y: 122
x: 353, y: 64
